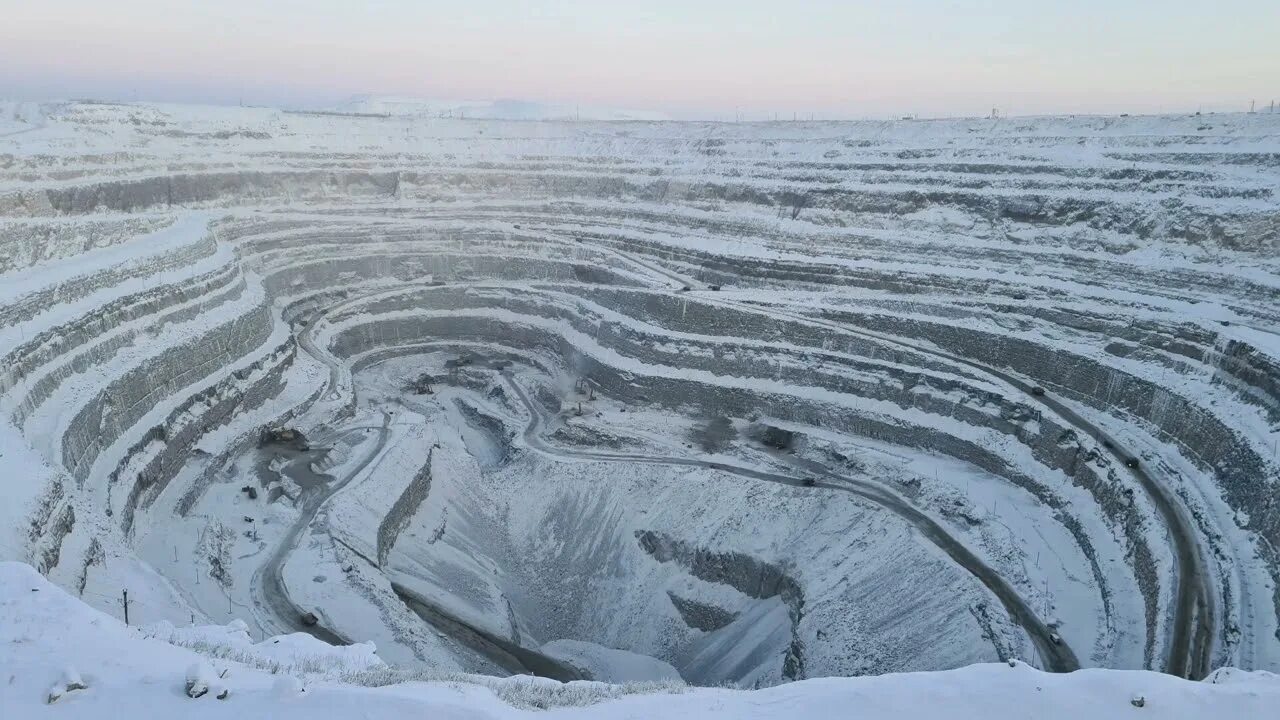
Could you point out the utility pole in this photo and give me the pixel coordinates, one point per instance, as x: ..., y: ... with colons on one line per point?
x: 126, y: 607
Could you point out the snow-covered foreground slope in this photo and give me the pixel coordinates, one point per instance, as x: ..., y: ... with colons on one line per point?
x: 51, y: 639
x: 745, y: 403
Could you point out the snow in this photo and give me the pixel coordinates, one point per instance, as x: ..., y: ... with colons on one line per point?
x: 295, y: 650
x: 356, y: 248
x: 139, y: 252
x: 609, y: 664
x: 127, y: 673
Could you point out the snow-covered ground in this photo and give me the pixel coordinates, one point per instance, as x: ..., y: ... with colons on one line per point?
x: 62, y: 656
x: 747, y: 404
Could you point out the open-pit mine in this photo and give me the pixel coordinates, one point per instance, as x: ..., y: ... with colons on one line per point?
x: 737, y: 404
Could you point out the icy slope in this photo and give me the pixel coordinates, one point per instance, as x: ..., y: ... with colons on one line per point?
x: 50, y: 638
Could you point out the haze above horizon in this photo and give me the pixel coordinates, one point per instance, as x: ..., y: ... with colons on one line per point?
x: 715, y: 59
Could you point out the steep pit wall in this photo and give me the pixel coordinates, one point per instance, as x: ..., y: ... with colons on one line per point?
x: 749, y: 575
x: 249, y: 387
x: 1248, y: 482
x: 402, y: 511
x: 28, y: 306
x: 61, y: 346
x: 30, y: 243
x: 695, y: 397
x: 103, y: 419
x: 1137, y: 213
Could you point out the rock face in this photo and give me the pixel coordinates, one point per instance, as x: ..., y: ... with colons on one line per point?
x: 760, y: 402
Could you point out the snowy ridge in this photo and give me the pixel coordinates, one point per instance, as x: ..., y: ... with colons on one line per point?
x: 753, y: 402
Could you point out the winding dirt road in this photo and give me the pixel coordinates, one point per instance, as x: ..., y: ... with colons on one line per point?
x: 270, y: 597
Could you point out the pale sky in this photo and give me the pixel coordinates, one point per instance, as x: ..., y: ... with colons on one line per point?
x: 690, y: 58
